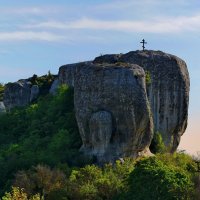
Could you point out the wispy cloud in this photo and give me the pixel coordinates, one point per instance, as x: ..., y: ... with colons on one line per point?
x: 164, y: 25
x: 42, y: 10
x: 29, y: 35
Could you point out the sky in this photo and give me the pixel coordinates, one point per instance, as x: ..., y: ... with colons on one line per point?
x: 38, y: 36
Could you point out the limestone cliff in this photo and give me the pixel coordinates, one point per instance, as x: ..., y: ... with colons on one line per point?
x: 167, y: 90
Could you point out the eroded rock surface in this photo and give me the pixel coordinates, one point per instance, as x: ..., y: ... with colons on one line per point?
x: 112, y: 110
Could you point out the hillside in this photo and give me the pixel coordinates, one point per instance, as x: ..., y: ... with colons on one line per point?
x: 90, y: 131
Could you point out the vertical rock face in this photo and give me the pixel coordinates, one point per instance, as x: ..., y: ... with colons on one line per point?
x: 112, y: 110
x: 168, y: 91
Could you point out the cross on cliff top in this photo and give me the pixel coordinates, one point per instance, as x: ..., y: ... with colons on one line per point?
x: 143, y: 43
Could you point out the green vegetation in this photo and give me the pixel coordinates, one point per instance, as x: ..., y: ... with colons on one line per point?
x: 44, y: 132
x: 164, y: 176
x: 157, y: 144
x: 154, y: 179
x: 40, y: 160
x: 148, y: 77
x: 19, y: 194
x: 1, y: 91
x: 44, y: 82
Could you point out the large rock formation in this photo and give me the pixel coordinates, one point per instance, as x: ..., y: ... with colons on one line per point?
x: 167, y: 89
x: 112, y: 110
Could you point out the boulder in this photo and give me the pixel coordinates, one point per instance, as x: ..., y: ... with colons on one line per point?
x: 112, y: 110
x: 17, y: 94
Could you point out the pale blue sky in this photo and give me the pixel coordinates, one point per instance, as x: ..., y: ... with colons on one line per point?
x: 37, y: 36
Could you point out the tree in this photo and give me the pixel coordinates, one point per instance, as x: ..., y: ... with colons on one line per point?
x: 19, y: 194
x: 153, y: 179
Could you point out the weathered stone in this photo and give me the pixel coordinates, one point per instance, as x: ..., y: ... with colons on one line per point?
x: 34, y: 92
x: 54, y: 87
x: 112, y: 110
x: 17, y: 94
x: 2, y: 108
x: 112, y: 58
x: 67, y: 73
x: 168, y: 91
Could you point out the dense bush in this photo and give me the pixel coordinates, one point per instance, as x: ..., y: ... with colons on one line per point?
x: 92, y: 182
x: 163, y: 176
x: 154, y: 179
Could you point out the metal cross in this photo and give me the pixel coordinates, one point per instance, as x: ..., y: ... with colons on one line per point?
x: 143, y: 43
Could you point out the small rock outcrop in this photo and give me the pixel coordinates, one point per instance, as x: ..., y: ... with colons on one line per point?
x: 17, y: 94
x: 26, y: 91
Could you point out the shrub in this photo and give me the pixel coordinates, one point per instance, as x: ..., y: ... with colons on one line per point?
x: 92, y: 182
x: 40, y: 179
x: 152, y: 179
x: 148, y: 77
x: 19, y: 194
x: 157, y: 144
